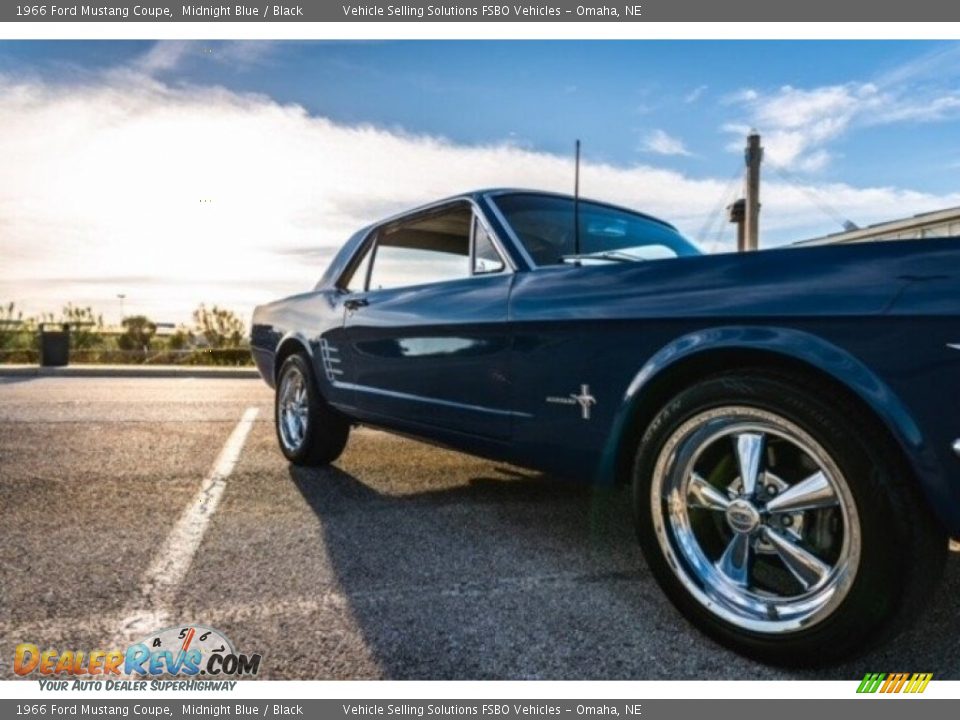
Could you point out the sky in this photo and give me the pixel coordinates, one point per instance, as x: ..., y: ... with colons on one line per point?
x: 228, y: 173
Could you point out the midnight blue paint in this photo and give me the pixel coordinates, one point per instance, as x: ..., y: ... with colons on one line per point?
x: 470, y: 363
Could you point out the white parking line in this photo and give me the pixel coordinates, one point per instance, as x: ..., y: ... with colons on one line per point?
x: 158, y: 585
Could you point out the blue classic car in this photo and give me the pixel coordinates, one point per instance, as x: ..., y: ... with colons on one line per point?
x: 787, y: 419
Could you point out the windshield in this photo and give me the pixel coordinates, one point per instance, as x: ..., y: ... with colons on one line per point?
x: 545, y: 226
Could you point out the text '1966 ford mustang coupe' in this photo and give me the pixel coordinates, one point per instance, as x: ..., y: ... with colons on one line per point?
x: 788, y: 420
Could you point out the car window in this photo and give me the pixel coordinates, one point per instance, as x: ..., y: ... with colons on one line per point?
x: 358, y: 278
x: 486, y: 259
x: 428, y: 249
x: 547, y: 225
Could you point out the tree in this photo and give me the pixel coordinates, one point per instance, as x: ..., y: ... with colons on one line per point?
x: 138, y: 332
x: 11, y: 325
x: 10, y: 314
x: 221, y: 328
x: 18, y: 335
x: 85, y: 327
x: 180, y: 338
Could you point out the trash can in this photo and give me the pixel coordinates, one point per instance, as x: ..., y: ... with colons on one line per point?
x: 55, y: 346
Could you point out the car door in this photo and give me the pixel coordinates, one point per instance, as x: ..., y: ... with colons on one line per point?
x: 427, y: 341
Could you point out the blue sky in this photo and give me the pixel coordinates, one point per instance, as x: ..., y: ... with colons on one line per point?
x: 614, y: 95
x: 326, y: 136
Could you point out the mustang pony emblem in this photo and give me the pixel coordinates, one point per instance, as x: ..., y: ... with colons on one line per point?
x: 584, y: 399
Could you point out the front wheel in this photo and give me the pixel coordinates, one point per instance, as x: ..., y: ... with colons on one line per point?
x: 310, y: 431
x: 779, y: 524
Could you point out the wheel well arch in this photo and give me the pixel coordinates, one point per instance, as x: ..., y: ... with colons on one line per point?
x: 288, y: 346
x: 700, y: 365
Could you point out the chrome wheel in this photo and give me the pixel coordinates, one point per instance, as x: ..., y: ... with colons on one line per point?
x: 755, y: 519
x: 293, y: 406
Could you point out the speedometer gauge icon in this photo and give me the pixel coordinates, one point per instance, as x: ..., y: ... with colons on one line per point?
x: 178, y: 641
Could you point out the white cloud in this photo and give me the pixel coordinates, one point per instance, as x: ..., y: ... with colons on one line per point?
x: 797, y: 124
x: 941, y: 108
x: 695, y: 94
x: 163, y: 56
x: 662, y: 143
x: 101, y: 191
x: 940, y: 63
x: 814, y: 161
x: 800, y: 124
x: 741, y: 96
x: 167, y: 55
x: 829, y: 107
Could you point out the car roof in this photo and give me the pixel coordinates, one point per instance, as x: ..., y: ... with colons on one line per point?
x: 487, y: 193
x: 477, y: 197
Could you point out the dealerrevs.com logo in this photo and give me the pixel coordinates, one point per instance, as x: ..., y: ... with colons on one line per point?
x: 194, y: 650
x: 894, y: 682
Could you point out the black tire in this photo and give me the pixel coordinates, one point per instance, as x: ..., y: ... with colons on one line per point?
x: 902, y: 549
x: 326, y: 431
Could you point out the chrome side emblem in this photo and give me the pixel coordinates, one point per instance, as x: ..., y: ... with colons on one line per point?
x: 330, y: 355
x: 584, y: 399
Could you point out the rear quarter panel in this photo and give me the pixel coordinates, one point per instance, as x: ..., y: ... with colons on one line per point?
x: 301, y: 319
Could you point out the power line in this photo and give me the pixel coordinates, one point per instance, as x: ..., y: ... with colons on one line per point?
x: 717, y: 211
x: 723, y: 225
x: 815, y: 199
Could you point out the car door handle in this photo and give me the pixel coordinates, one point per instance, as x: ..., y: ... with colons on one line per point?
x: 355, y: 303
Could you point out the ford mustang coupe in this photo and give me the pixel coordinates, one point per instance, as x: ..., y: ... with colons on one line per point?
x: 788, y: 419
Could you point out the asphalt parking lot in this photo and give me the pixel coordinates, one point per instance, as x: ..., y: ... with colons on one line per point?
x: 402, y: 561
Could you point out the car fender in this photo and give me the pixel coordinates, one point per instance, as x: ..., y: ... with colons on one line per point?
x: 790, y: 344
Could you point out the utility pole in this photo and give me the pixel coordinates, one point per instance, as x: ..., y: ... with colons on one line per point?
x: 751, y: 220
x: 735, y: 213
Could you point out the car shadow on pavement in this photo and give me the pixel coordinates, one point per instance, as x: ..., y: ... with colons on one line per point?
x: 514, y: 575
x: 16, y: 379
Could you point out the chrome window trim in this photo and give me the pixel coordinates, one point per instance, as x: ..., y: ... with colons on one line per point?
x: 483, y: 212
x: 508, y: 264
x: 370, y: 242
x: 474, y: 221
x: 509, y: 230
x: 467, y: 278
x: 346, y: 275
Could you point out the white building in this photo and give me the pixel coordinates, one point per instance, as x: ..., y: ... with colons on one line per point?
x: 940, y: 223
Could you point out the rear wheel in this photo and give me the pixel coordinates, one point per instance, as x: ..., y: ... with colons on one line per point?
x: 779, y: 524
x: 310, y: 431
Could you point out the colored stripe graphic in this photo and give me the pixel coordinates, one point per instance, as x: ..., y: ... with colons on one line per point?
x: 894, y: 682
x: 870, y: 683
x: 919, y: 682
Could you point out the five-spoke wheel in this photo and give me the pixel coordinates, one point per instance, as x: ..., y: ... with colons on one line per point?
x: 782, y: 523
x: 758, y: 518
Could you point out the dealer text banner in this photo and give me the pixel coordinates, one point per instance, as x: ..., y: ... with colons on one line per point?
x: 467, y: 10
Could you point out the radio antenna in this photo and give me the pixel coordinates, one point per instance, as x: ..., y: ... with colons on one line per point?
x: 576, y: 199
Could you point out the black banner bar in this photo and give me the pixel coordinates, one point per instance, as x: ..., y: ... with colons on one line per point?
x: 467, y: 11
x: 227, y: 708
